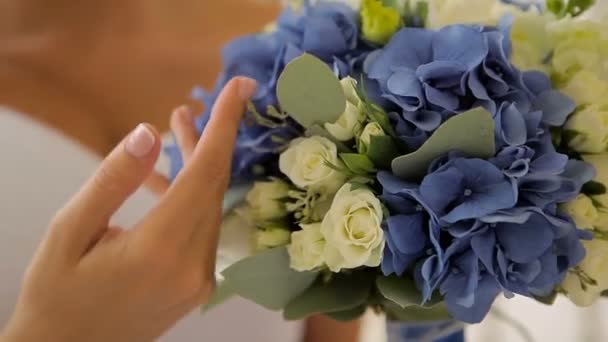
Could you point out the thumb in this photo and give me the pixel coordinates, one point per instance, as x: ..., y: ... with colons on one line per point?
x: 86, y: 216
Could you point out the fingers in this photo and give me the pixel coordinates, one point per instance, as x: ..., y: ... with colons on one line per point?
x: 157, y: 183
x: 204, y: 179
x: 87, y: 214
x: 195, y: 198
x: 186, y: 136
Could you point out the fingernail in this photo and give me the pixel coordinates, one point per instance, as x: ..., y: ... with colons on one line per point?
x: 247, y: 87
x: 140, y: 142
x: 184, y: 113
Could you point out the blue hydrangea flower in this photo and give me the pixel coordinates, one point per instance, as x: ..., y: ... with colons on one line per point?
x: 328, y: 31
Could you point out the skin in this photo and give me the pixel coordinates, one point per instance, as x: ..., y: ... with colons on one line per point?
x: 139, y: 281
x: 95, y: 69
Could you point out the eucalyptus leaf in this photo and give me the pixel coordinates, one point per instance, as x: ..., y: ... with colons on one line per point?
x: 605, y: 294
x: 415, y: 313
x: 309, y: 91
x: 343, y: 292
x: 382, y: 150
x: 359, y: 164
x: 471, y: 132
x: 400, y: 290
x: 322, y: 132
x: 549, y: 299
x: 222, y: 293
x: 267, y: 279
x: 347, y: 315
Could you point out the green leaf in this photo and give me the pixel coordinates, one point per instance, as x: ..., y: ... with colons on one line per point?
x: 403, y: 291
x: 577, y: 7
x: 605, y: 294
x: 310, y: 92
x: 548, y: 300
x: 343, y: 292
x: 382, y: 150
x: 347, y: 315
x: 359, y: 164
x: 471, y: 132
x: 318, y: 130
x: 267, y: 279
x: 594, y: 188
x: 555, y: 6
x: 222, y: 293
x: 400, y: 290
x: 415, y: 313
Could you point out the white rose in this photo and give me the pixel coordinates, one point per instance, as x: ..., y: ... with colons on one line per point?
x: 350, y: 121
x: 448, y: 12
x: 582, y: 211
x: 304, y: 164
x: 595, y: 265
x: 370, y: 130
x: 306, y: 248
x: 264, y: 200
x: 271, y: 237
x: 352, y: 230
x: 585, y: 87
x: 600, y: 163
x: 590, y: 128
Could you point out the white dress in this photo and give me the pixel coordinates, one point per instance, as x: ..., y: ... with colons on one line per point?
x: 39, y: 170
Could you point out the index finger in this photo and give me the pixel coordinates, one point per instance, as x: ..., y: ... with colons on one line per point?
x: 200, y: 186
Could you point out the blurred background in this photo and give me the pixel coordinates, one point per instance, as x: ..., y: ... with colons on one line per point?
x: 94, y: 69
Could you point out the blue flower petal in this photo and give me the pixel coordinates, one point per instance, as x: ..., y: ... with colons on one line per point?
x: 524, y: 243
x: 555, y: 107
x: 408, y: 232
x: 459, y: 43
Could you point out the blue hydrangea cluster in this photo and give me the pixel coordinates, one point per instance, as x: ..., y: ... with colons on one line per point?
x: 329, y: 31
x: 473, y: 228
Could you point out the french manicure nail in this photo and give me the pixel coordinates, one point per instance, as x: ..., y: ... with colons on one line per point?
x: 184, y: 113
x: 140, y: 142
x: 247, y: 87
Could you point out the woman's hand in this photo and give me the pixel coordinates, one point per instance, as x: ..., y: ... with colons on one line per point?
x: 92, y: 282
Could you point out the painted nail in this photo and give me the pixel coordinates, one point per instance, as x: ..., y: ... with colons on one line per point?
x: 247, y: 87
x: 140, y: 142
x: 184, y: 113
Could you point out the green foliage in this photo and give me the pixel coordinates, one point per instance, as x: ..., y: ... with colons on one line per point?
x: 310, y: 92
x: 342, y: 293
x: 403, y: 292
x: 593, y: 188
x: 358, y: 164
x: 382, y: 150
x: 574, y: 8
x: 267, y: 279
x: 347, y: 315
x: 470, y: 132
x: 318, y: 130
x: 222, y: 293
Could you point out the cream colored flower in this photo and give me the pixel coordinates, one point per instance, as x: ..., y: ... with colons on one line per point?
x: 271, y: 236
x: 306, y: 248
x: 582, y: 211
x: 304, y: 163
x: 370, y: 130
x: 595, y: 265
x: 350, y: 121
x: 600, y: 163
x: 589, y: 127
x: 264, y: 199
x: 352, y: 230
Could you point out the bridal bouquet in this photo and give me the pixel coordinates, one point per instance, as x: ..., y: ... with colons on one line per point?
x: 418, y: 157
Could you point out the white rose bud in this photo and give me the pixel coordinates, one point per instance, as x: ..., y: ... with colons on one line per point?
x: 264, y: 200
x: 236, y: 232
x: 590, y: 128
x: 306, y: 248
x: 304, y: 164
x: 582, y: 211
x: 271, y: 236
x: 350, y: 121
x: 595, y: 265
x: 600, y: 163
x: 370, y: 130
x: 352, y: 230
